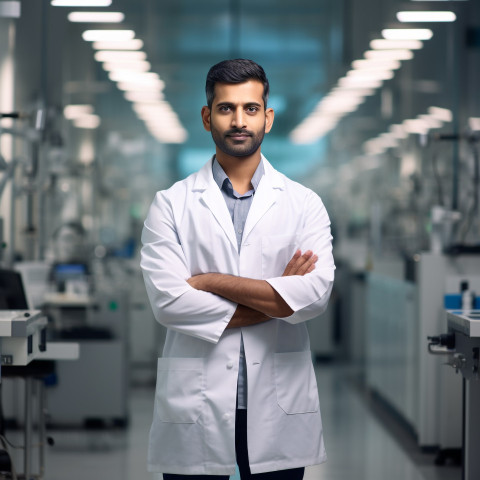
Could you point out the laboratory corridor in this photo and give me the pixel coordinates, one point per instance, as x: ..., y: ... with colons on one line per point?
x: 364, y: 439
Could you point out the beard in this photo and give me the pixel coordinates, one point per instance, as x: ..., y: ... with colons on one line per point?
x: 227, y: 143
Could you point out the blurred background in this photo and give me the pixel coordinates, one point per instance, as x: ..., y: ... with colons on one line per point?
x: 377, y: 110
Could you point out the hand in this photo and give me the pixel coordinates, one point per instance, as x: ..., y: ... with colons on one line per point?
x: 198, y: 281
x: 300, y: 264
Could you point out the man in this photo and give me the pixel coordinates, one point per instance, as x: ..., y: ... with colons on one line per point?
x: 236, y: 258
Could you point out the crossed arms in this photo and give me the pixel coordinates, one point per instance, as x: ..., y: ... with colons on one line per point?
x: 257, y: 300
x: 209, y: 303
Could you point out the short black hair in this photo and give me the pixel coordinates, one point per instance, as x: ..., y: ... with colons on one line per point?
x: 235, y: 71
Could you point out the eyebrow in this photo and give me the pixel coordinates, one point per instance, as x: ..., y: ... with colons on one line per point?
x: 248, y: 104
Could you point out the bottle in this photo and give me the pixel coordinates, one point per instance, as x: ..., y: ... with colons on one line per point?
x: 467, y: 296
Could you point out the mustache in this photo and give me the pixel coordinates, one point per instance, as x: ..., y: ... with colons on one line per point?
x: 238, y: 131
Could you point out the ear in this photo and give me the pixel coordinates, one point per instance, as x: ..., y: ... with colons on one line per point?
x: 269, y: 116
x: 206, y: 118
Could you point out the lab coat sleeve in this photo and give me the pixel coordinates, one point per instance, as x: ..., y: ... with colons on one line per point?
x: 175, y: 304
x: 308, y: 295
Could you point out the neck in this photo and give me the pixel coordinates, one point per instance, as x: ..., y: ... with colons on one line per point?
x: 239, y: 170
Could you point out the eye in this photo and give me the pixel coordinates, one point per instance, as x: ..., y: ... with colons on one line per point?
x: 252, y: 109
x: 224, y: 108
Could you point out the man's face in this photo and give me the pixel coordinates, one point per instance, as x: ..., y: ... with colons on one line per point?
x: 238, y: 120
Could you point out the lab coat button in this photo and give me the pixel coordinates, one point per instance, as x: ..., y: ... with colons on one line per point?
x: 230, y: 365
x: 226, y: 417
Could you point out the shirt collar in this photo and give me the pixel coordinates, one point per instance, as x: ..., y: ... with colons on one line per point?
x: 220, y: 176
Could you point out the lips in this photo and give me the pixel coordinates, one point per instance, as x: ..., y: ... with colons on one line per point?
x: 238, y: 136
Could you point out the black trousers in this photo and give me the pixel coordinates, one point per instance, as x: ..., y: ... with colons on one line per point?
x: 242, y: 460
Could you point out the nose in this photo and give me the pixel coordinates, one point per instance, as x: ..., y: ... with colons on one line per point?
x: 238, y: 118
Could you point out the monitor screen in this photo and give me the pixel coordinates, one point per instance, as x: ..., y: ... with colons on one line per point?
x: 12, y: 293
x: 69, y: 271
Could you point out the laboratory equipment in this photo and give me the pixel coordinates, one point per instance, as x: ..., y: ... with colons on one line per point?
x: 401, y: 313
x: 23, y: 336
x: 462, y: 346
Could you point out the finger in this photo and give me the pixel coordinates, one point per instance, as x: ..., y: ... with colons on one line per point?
x: 291, y: 263
x: 311, y: 269
x: 300, y: 262
x: 307, y: 265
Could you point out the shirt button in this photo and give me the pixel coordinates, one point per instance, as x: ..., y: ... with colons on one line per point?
x: 226, y: 416
x: 230, y: 365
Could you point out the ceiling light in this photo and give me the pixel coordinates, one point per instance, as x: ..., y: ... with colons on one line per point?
x: 126, y: 67
x: 431, y: 121
x: 387, y: 140
x: 135, y: 44
x: 96, y: 17
x: 416, y: 125
x: 71, y: 112
x: 154, y: 110
x: 359, y: 82
x: 399, y: 54
x: 384, y: 44
x: 135, y: 77
x: 474, y: 124
x: 119, y: 56
x: 136, y: 86
x: 416, y: 16
x: 81, y: 3
x: 441, y: 113
x: 143, y: 97
x: 407, y: 33
x: 108, y: 35
x: 371, y: 74
x: 179, y: 137
x: 373, y: 64
x: 398, y: 131
x: 373, y: 147
x: 87, y: 121
x: 351, y: 92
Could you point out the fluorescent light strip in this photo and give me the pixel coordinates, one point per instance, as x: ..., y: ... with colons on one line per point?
x: 426, y: 16
x: 81, y: 3
x: 140, y: 66
x: 359, y: 82
x: 474, y: 124
x: 135, y: 44
x: 384, y: 44
x: 421, y: 125
x: 119, y: 51
x: 398, y: 54
x: 373, y: 64
x: 443, y: 114
x: 87, y: 121
x: 107, y: 35
x: 71, y: 112
x: 135, y: 77
x: 143, y: 97
x: 138, y: 87
x: 371, y: 74
x: 119, y: 56
x: 407, y: 33
x: 96, y: 17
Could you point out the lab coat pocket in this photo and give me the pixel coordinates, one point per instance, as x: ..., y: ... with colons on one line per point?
x: 295, y: 383
x: 277, y: 251
x: 179, y: 391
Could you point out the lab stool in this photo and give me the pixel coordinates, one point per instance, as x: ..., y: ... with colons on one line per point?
x: 36, y: 371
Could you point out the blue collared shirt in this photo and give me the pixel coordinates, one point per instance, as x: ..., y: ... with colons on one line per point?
x: 238, y: 206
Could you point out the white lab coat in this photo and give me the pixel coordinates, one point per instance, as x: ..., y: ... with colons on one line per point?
x: 189, y: 231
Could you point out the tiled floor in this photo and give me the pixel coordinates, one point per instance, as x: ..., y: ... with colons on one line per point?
x: 362, y: 443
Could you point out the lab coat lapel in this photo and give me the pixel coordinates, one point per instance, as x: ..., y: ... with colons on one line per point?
x: 213, y: 199
x: 270, y: 186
